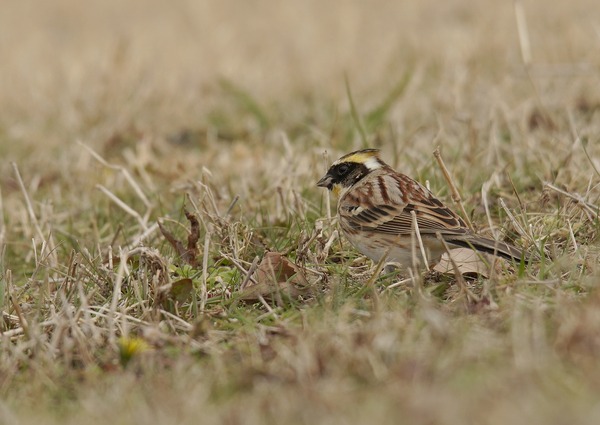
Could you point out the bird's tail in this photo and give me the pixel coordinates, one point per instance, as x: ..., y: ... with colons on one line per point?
x: 490, y: 246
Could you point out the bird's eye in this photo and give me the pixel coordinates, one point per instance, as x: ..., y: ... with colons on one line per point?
x: 343, y: 169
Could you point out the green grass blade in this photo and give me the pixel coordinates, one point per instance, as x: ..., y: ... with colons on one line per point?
x: 355, y: 115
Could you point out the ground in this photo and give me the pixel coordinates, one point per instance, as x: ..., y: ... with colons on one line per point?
x: 116, y: 116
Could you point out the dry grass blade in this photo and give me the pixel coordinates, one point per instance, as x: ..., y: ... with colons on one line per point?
x: 49, y: 242
x: 128, y: 177
x: 2, y: 223
x: 520, y: 229
x: 524, y: 43
x: 145, y: 234
x: 326, y: 192
x: 455, y: 193
x: 22, y: 321
x: 124, y: 206
x: 116, y: 297
x: 204, y: 288
x: 417, y: 234
x: 484, y: 197
x: 591, y: 210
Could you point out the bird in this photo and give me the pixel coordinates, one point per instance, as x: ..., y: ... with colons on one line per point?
x: 378, y: 205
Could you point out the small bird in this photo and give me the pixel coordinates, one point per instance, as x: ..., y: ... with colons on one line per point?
x: 375, y: 213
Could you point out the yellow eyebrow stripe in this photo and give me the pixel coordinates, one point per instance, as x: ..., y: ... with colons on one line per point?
x: 359, y: 157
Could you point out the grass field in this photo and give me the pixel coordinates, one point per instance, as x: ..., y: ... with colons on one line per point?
x: 119, y: 115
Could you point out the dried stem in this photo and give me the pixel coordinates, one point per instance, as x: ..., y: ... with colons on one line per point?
x: 591, y: 210
x: 38, y: 229
x: 484, y: 196
x: 524, y: 44
x: 123, y: 206
x: 204, y: 290
x: 137, y: 189
x: 327, y: 194
x: 419, y: 239
x: 455, y: 193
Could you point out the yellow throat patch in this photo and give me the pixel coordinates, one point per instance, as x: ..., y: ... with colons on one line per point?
x: 337, y: 190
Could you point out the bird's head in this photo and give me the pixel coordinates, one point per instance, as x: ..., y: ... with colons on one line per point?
x: 349, y: 169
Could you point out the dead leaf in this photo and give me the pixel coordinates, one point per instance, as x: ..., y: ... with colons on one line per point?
x: 275, y: 276
x: 174, y: 293
x: 469, y: 262
x: 181, y: 290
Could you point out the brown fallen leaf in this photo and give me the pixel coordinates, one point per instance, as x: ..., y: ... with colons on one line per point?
x: 171, y: 293
x: 275, y: 276
x: 468, y: 262
x: 181, y: 290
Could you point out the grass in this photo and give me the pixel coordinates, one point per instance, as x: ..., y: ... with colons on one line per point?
x: 114, y: 122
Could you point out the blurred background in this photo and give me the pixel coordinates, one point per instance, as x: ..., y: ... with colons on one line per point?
x: 82, y: 69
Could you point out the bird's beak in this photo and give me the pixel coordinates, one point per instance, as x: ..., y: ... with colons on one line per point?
x: 326, y: 181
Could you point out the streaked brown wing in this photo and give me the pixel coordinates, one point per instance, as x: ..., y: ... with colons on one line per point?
x: 403, y: 195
